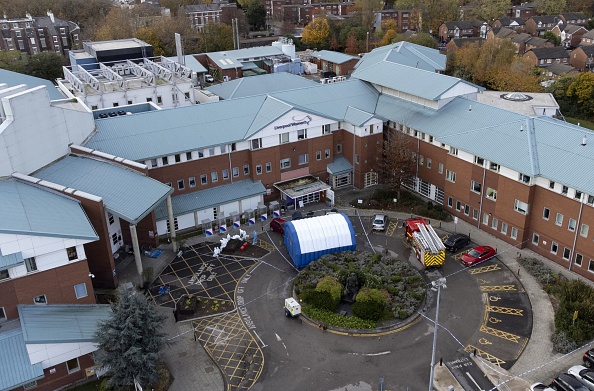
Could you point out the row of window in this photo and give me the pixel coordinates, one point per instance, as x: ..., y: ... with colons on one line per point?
x: 31, y: 263
x: 566, y: 254
x: 284, y: 138
x: 487, y: 218
x: 571, y: 223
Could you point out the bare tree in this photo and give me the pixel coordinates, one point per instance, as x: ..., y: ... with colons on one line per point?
x: 398, y: 163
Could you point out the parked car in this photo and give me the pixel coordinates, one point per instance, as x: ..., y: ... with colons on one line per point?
x: 566, y: 382
x: 583, y: 374
x: 296, y: 216
x: 540, y: 387
x: 278, y: 225
x: 589, y: 358
x: 208, y: 78
x: 478, y: 254
x: 455, y: 242
x: 380, y: 222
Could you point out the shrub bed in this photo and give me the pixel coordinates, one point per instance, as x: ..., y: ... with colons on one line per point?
x: 408, y: 203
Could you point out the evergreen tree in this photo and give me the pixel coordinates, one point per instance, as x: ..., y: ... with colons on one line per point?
x: 130, y: 341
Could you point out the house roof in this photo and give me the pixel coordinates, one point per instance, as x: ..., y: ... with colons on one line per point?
x: 546, y: 19
x: 509, y: 21
x: 262, y: 84
x: 334, y: 57
x: 191, y: 62
x: 61, y: 323
x: 505, y: 32
x: 463, y: 24
x: 561, y: 69
x: 572, y: 28
x: 522, y: 37
x: 339, y: 165
x: 574, y: 16
x: 537, y: 41
x: 208, y: 198
x: 405, y: 53
x: 589, y: 34
x: 223, y: 60
x: 15, y: 367
x: 12, y: 79
x: 459, y: 42
x: 126, y: 193
x: 554, y: 52
x: 587, y: 49
x: 27, y: 209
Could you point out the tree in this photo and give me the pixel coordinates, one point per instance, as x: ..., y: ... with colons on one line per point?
x: 550, y: 7
x: 582, y: 88
x: 424, y: 39
x: 215, y: 37
x: 352, y: 45
x: 555, y: 39
x: 435, y: 12
x: 397, y: 165
x: 12, y: 61
x: 489, y: 10
x: 149, y: 36
x: 256, y: 15
x: 389, y: 37
x: 130, y: 341
x: 117, y: 25
x: 317, y: 32
x: 46, y: 65
x: 367, y: 9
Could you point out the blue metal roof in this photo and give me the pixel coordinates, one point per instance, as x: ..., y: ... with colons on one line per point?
x: 262, y: 84
x: 406, y: 53
x: 15, y: 367
x: 27, y: 209
x: 224, y: 60
x: 191, y: 62
x: 357, y: 117
x: 203, y: 199
x: 10, y: 260
x: 339, y: 165
x: 61, y: 323
x: 126, y: 193
x: 255, y: 52
x: 14, y: 78
x: 334, y: 57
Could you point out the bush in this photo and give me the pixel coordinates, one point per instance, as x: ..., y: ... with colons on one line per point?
x: 333, y: 287
x: 370, y: 303
x: 334, y: 319
x: 319, y: 299
x: 561, y: 343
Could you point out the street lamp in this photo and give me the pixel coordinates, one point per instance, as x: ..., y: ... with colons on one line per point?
x: 436, y: 286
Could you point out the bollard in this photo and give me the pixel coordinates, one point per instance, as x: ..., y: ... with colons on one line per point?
x: 474, y: 352
x: 441, y: 361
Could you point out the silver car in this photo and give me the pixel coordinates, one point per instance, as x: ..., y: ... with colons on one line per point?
x: 380, y: 222
x: 583, y: 374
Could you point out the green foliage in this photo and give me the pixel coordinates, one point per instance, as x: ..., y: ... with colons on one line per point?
x: 550, y: 7
x: 424, y: 39
x: 256, y: 15
x: 319, y: 299
x: 12, y: 61
x: 317, y: 33
x: 214, y: 37
x: 331, y: 285
x: 130, y: 341
x: 555, y: 39
x: 582, y: 89
x: 370, y: 303
x: 334, y: 319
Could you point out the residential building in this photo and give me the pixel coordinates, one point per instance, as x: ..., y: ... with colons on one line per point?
x: 538, y: 25
x: 588, y: 38
x: 302, y: 14
x: 501, y: 33
x: 457, y: 43
x: 525, y: 42
x: 516, y: 24
x: 543, y: 57
x: 523, y: 11
x: 570, y: 34
x: 405, y: 19
x: 202, y: 14
x: 37, y: 34
x: 462, y: 29
x: 577, y: 18
x: 582, y: 58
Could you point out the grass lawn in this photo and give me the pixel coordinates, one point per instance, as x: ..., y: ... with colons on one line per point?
x: 584, y: 123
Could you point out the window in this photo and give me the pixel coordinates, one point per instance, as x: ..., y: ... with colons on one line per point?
x: 319, y: 155
x: 357, y: 159
x: 466, y: 210
x: 235, y: 172
x: 2, y: 314
x: 30, y: 264
x: 590, y: 199
x: 285, y: 163
x: 475, y: 214
x: 521, y: 207
x: 257, y: 143
x: 440, y: 168
x: 564, y: 190
x: 192, y: 181
x: 41, y: 299
x: 327, y: 154
x: 268, y: 167
x: 421, y: 160
x: 30, y: 385
x: 188, y: 155
x: 165, y: 160
x: 450, y: 176
x: 559, y: 219
x: 246, y: 169
x: 200, y: 153
x: 110, y: 218
x: 211, y: 151
x: 566, y: 253
x: 554, y: 247
x: 546, y: 213
x: 494, y: 223
x: 203, y: 179
x: 475, y: 186
x: 225, y: 173
x: 524, y: 178
x: 303, y: 159
x: 453, y: 151
x: 551, y: 185
x: 301, y: 134
x: 339, y: 148
x: 370, y: 129
x: 591, y: 265
x: 326, y: 129
x: 428, y: 163
x: 147, y: 99
x: 458, y: 206
x: 154, y: 163
x: 71, y: 252
x: 283, y: 138
x: 535, y: 238
x: 114, y: 238
x: 159, y: 100
x: 80, y: 290
x: 577, y: 195
x: 479, y: 160
x: 258, y: 169
x: 72, y: 365
x: 214, y: 176
x: 4, y: 274
x: 18, y: 33
x: 578, y: 259
x: 504, y: 228
x: 485, y: 218
x: 180, y: 184
x: 571, y: 225
x: 493, y: 166
x: 514, y: 233
x: 450, y: 202
x: 584, y: 230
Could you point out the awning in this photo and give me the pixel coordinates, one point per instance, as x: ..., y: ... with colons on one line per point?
x: 339, y: 166
x: 300, y: 187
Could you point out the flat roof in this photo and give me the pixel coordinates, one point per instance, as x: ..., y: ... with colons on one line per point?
x: 529, y: 107
x: 116, y: 44
x: 299, y: 187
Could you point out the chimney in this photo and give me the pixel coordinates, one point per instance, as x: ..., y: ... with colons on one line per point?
x: 584, y: 140
x: 28, y: 15
x: 470, y: 108
x: 51, y: 16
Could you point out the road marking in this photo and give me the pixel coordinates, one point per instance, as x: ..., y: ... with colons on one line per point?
x: 371, y: 354
x: 474, y: 381
x: 278, y: 338
x: 260, y: 339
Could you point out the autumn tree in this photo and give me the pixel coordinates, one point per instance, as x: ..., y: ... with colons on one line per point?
x: 434, y: 12
x: 237, y: 13
x: 352, y: 45
x: 397, y: 165
x: 316, y: 33
x: 215, y: 37
x: 367, y: 9
x: 567, y: 104
x: 334, y: 43
x: 389, y: 37
x: 424, y: 39
x: 550, y: 7
x: 582, y: 90
x: 117, y: 25
x: 489, y: 10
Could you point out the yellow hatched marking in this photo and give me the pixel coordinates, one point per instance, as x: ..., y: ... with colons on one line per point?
x: 392, y: 227
x: 265, y: 245
x: 498, y: 288
x: 484, y: 269
x: 458, y: 256
x: 500, y: 334
x: 505, y: 310
x: 487, y: 356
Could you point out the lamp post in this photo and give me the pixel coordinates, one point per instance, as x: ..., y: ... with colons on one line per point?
x: 436, y: 286
x: 367, y: 51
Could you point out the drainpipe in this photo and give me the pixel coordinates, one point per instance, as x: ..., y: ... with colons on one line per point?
x: 478, y: 222
x: 230, y: 163
x: 417, y: 187
x: 577, y: 227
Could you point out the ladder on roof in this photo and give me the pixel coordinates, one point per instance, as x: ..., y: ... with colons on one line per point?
x: 430, y: 237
